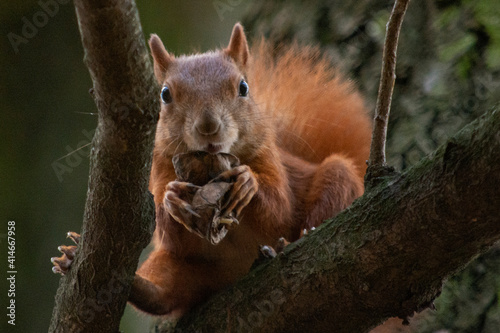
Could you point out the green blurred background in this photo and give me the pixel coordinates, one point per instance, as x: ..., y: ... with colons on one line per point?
x: 448, y: 74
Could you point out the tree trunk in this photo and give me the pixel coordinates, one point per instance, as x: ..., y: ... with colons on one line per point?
x: 385, y: 256
x: 119, y: 212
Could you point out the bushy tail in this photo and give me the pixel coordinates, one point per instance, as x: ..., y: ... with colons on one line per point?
x: 317, y: 111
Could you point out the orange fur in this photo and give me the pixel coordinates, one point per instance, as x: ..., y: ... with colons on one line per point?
x: 317, y: 111
x: 304, y: 133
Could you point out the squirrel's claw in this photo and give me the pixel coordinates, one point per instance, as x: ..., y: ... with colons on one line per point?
x: 244, y: 188
x: 63, y: 263
x: 74, y: 236
x: 179, y: 209
x: 267, y: 252
x: 69, y: 251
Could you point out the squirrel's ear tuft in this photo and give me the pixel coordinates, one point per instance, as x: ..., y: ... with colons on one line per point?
x: 238, y: 46
x: 162, y: 59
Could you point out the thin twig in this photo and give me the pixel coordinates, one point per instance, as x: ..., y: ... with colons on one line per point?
x: 388, y: 76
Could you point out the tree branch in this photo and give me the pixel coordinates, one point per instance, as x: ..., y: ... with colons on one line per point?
x: 385, y: 256
x: 119, y: 212
x: 377, y: 162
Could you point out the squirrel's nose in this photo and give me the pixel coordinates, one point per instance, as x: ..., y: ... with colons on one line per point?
x: 208, y: 126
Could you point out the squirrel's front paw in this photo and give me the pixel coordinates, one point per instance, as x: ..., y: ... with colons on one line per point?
x: 244, y: 188
x: 63, y: 263
x: 175, y: 201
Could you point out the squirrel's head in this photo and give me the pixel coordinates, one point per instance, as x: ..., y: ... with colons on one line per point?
x: 206, y: 100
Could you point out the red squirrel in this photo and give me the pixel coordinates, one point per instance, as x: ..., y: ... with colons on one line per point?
x: 301, y: 133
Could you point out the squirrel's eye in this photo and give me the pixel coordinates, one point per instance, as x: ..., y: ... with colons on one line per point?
x: 243, y: 88
x: 166, y: 97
